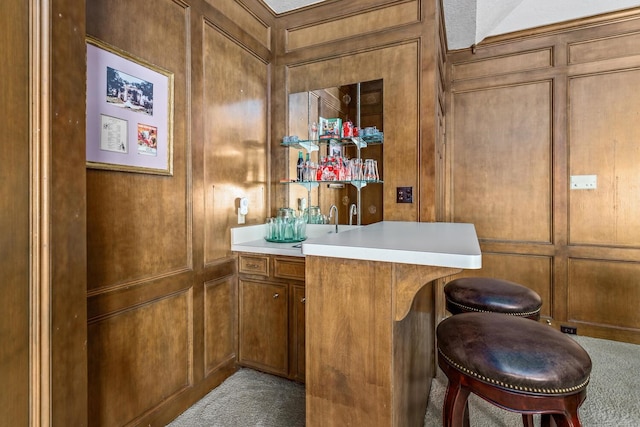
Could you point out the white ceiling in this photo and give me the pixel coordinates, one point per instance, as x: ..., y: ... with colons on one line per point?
x: 468, y: 22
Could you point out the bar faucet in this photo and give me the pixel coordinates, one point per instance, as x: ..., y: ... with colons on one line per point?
x: 353, y: 210
x: 331, y: 209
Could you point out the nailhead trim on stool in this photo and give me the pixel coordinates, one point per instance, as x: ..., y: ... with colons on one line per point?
x: 515, y: 387
x: 516, y: 364
x: 490, y: 295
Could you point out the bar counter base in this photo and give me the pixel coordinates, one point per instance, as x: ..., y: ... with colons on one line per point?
x: 369, y: 341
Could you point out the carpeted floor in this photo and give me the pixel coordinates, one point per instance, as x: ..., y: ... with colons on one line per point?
x: 250, y: 398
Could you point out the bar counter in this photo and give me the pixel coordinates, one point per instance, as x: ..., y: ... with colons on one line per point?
x: 370, y: 319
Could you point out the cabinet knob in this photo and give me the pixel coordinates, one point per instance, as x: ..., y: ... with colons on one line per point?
x: 276, y: 295
x: 303, y: 300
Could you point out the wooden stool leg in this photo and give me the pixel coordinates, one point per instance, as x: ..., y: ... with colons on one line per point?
x: 567, y: 420
x: 527, y: 420
x: 545, y: 421
x: 455, y: 409
x: 465, y: 420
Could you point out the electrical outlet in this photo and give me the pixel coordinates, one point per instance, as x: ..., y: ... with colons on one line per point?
x: 568, y: 329
x: 404, y: 194
x: 584, y: 182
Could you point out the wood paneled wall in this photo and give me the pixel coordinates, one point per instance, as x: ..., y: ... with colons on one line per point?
x: 162, y: 285
x: 527, y: 112
x: 329, y: 47
x: 14, y: 205
x: 42, y: 220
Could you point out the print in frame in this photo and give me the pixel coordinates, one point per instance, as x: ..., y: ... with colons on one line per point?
x: 129, y: 112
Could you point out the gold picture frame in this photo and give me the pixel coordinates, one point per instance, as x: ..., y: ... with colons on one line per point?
x: 129, y: 123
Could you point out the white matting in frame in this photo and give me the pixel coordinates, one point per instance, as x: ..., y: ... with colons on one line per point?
x: 129, y: 112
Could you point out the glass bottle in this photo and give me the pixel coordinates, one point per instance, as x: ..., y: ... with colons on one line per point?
x: 300, y: 167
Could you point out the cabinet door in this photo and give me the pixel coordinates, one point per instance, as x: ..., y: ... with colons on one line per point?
x: 263, y: 326
x: 297, y: 333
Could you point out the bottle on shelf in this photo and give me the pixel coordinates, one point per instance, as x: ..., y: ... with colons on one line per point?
x: 300, y: 167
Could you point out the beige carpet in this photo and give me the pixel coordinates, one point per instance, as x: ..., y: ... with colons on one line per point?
x: 250, y: 398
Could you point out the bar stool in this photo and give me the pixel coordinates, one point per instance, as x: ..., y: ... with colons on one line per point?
x: 515, y: 364
x: 485, y: 294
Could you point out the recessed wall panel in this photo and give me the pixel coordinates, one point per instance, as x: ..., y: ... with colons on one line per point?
x: 139, y: 358
x: 605, y: 48
x: 354, y: 25
x: 245, y: 19
x: 234, y: 138
x: 604, y: 293
x: 604, y: 132
x: 220, y: 305
x: 501, y: 154
x: 521, y: 61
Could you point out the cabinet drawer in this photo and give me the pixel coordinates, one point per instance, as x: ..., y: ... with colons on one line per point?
x: 254, y: 264
x: 288, y: 268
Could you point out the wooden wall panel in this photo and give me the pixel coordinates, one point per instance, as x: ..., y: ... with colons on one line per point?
x: 604, y: 48
x: 221, y: 334
x: 352, y: 25
x: 138, y: 225
x: 130, y: 352
x: 501, y: 157
x: 235, y: 138
x: 506, y: 64
x: 15, y: 218
x: 603, y: 136
x: 159, y: 246
x: 596, y: 289
x: 245, y: 19
x: 577, y: 248
x: 62, y: 268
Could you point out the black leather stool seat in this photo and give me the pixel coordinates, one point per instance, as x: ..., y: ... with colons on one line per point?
x: 485, y: 294
x: 518, y: 364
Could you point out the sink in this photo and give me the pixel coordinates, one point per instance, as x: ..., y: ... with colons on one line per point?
x: 319, y: 230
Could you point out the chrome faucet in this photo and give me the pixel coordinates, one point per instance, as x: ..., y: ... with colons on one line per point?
x: 353, y: 210
x: 331, y: 209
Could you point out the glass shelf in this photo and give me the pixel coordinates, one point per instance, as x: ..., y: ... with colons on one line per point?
x: 358, y: 141
x: 314, y: 184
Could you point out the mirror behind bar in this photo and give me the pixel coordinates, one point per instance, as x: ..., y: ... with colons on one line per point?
x: 363, y: 105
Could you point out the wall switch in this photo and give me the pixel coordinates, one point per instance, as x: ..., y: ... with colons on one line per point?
x: 404, y: 194
x: 584, y: 182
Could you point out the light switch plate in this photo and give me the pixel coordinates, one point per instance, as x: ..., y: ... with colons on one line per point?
x: 584, y: 182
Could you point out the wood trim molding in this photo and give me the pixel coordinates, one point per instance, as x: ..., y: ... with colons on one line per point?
x: 40, y: 282
x: 609, y: 18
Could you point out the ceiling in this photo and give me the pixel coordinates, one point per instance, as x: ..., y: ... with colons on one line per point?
x: 469, y: 22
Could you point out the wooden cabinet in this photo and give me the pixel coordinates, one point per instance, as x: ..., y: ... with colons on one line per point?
x: 271, y: 314
x: 297, y: 323
x: 264, y: 326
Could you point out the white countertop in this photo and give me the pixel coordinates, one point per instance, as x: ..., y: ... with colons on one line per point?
x: 251, y: 239
x: 440, y: 244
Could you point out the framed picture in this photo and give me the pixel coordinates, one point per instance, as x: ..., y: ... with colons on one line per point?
x: 129, y: 112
